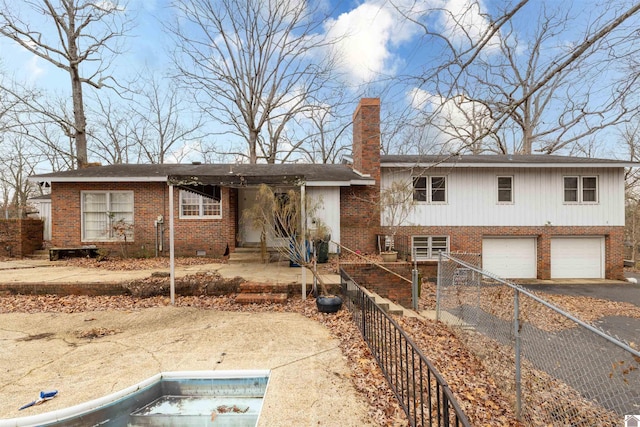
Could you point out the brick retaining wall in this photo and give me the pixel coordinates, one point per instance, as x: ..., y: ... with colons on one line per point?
x: 386, y: 284
x: 20, y: 237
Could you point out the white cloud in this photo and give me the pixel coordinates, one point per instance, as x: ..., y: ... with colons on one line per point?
x: 365, y: 38
x: 452, y: 123
x: 464, y: 22
x: 422, y: 100
x: 369, y: 38
x: 33, y: 68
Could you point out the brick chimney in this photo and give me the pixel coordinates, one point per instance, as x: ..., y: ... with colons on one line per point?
x: 366, y: 137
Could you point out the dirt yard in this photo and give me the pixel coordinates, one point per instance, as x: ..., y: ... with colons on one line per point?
x: 88, y: 354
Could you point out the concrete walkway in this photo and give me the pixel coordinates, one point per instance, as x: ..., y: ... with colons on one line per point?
x: 40, y: 272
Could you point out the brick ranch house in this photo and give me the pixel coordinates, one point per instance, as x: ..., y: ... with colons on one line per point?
x: 531, y: 216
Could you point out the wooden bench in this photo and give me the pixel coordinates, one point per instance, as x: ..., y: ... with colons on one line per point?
x: 82, y: 251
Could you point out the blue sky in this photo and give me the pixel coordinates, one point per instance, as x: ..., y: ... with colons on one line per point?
x: 375, y: 40
x: 378, y: 46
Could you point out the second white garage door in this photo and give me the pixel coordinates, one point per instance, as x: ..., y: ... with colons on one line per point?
x: 577, y: 257
x: 512, y: 258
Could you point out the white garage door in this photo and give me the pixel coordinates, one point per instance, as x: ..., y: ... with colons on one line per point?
x: 512, y: 258
x: 577, y: 257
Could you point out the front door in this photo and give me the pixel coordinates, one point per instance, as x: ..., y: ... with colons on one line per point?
x: 248, y: 234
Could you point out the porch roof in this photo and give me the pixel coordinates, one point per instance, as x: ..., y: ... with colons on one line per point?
x: 226, y: 175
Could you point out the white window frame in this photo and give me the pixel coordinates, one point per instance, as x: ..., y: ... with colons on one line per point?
x: 429, y: 189
x: 200, y: 203
x: 108, y: 233
x: 498, y: 189
x: 580, y: 190
x: 424, y: 250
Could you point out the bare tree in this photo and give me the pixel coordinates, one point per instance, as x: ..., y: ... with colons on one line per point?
x: 326, y: 136
x: 564, y: 111
x: 16, y: 164
x: 162, y: 120
x: 252, y: 64
x: 80, y: 33
x: 545, y: 91
x: 113, y: 132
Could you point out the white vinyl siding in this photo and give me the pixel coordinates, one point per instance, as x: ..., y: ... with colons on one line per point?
x: 510, y: 257
x: 429, y: 247
x: 101, y: 210
x: 471, y: 198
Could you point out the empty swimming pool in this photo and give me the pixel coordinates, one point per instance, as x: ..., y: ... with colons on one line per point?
x: 189, y: 398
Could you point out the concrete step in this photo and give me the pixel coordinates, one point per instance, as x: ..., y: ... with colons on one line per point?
x: 39, y: 254
x: 389, y: 306
x: 258, y: 288
x: 244, y: 256
x: 259, y: 298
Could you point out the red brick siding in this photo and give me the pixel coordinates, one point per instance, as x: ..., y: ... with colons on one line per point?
x: 386, y: 284
x: 359, y: 212
x: 150, y: 200
x: 366, y: 137
x: 20, y: 237
x: 469, y: 239
x: 359, y: 218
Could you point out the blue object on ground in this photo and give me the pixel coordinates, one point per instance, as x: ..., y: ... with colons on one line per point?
x: 44, y: 395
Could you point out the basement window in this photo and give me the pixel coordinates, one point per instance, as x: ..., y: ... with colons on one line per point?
x: 427, y: 248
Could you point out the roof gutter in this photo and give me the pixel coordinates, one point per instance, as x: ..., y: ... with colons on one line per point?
x: 509, y: 165
x: 37, y: 178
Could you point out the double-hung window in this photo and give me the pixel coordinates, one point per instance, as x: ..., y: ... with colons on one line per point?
x: 505, y: 189
x: 428, y: 247
x: 205, y: 202
x: 107, y: 215
x: 432, y: 189
x: 580, y: 189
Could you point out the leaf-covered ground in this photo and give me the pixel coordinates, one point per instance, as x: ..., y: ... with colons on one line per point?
x: 479, y: 394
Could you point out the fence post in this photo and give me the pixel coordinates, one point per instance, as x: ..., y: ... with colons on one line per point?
x: 438, y: 285
x: 516, y: 331
x: 414, y: 283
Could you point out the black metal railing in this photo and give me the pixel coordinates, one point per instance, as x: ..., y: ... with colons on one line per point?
x: 420, y: 389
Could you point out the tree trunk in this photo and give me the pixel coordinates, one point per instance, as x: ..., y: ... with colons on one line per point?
x: 80, y: 134
x: 80, y: 122
x: 253, y: 142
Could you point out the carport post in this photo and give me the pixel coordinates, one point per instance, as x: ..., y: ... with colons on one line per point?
x: 516, y: 331
x: 415, y: 275
x: 303, y: 230
x: 172, y: 270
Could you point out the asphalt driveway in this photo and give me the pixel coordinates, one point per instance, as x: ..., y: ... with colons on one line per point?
x: 621, y: 292
x: 622, y: 327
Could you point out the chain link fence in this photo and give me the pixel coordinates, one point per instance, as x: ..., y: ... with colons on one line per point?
x: 557, y: 369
